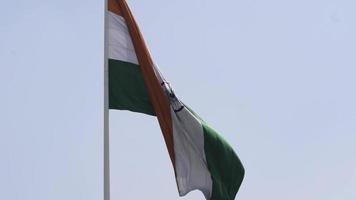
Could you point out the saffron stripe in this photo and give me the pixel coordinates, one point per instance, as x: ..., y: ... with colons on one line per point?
x: 113, y: 6
x: 158, y: 98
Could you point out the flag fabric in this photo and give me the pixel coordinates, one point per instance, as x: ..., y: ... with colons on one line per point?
x: 201, y: 158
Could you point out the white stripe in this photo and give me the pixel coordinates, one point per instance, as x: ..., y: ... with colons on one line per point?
x: 191, y: 167
x: 119, y: 40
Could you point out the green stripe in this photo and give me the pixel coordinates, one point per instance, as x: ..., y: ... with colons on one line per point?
x: 225, y: 167
x: 127, y: 90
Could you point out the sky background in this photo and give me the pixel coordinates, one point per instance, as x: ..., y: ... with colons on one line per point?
x: 276, y: 78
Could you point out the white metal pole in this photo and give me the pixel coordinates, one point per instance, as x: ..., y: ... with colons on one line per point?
x: 106, y: 111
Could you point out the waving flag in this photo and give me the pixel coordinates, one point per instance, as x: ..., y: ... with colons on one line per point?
x: 201, y: 158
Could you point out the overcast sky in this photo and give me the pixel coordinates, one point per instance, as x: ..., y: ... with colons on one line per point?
x: 276, y: 78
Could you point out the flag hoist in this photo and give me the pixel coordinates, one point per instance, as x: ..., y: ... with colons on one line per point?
x: 201, y: 158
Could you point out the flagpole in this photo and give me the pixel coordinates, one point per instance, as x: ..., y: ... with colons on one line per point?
x: 106, y: 111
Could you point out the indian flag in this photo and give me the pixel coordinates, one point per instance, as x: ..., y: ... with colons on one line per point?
x: 201, y: 158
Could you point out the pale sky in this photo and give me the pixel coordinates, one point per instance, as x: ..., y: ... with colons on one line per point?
x: 275, y: 78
